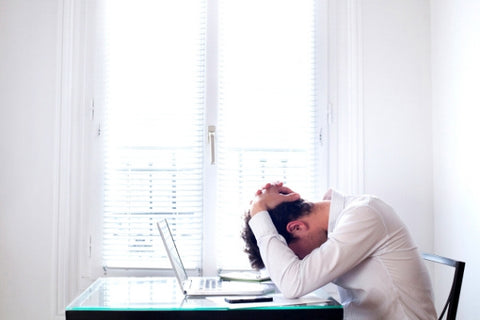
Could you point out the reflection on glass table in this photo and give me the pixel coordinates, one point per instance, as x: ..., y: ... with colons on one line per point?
x: 151, y: 298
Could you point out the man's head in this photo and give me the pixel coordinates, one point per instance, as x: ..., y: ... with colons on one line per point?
x: 282, y: 216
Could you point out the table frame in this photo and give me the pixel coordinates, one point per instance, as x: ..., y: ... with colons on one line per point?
x: 231, y: 314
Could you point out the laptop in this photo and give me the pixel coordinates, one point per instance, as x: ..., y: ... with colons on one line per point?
x: 205, y: 286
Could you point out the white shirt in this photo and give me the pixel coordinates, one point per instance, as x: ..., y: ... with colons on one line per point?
x: 369, y: 255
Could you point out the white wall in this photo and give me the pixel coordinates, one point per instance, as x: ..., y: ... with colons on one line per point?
x: 28, y: 69
x: 456, y: 114
x: 398, y: 136
x: 397, y: 110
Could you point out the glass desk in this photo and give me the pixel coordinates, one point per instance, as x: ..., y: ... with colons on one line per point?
x: 160, y: 298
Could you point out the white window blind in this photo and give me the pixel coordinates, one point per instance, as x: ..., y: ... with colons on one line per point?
x: 155, y: 85
x: 268, y: 113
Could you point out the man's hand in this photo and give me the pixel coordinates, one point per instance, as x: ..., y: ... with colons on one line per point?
x: 270, y: 196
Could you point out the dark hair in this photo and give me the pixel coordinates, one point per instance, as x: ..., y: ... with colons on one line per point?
x: 281, y: 215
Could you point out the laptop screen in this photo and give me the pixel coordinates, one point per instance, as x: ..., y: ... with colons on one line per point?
x: 172, y: 251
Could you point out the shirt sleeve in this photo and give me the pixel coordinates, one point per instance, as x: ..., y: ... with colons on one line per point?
x: 359, y: 232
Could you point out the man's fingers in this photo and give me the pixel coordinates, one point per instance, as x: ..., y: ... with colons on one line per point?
x: 290, y: 197
x: 285, y: 190
x: 280, y: 188
x: 272, y: 184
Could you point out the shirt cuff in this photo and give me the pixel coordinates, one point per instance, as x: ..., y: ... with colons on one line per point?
x: 262, y: 225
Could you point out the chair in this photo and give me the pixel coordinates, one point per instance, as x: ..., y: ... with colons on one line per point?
x: 454, y: 295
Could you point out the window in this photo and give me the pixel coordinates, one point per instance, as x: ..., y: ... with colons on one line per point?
x: 204, y: 102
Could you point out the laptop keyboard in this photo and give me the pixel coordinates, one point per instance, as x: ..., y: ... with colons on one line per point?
x: 210, y: 283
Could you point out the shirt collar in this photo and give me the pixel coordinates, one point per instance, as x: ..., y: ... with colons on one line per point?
x: 337, y: 204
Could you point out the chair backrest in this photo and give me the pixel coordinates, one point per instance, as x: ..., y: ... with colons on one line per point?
x: 454, y: 295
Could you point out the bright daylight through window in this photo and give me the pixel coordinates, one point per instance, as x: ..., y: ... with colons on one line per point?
x: 247, y: 69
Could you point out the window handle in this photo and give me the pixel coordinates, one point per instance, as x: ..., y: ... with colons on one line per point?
x: 211, y: 140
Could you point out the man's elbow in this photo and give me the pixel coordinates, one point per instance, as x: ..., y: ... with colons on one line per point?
x: 292, y: 292
x: 291, y: 295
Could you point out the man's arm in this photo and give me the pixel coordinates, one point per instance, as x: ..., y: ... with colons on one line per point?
x: 351, y: 243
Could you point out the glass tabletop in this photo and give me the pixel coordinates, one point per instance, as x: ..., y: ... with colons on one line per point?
x: 135, y: 293
x: 161, y: 293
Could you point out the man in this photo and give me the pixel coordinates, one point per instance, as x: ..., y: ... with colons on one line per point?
x: 358, y: 243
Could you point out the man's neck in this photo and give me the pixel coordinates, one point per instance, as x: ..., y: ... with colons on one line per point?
x: 322, y: 211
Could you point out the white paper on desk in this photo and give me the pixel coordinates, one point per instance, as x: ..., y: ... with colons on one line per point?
x: 278, y: 300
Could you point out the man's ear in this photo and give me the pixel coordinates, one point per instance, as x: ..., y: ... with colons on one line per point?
x: 296, y: 226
